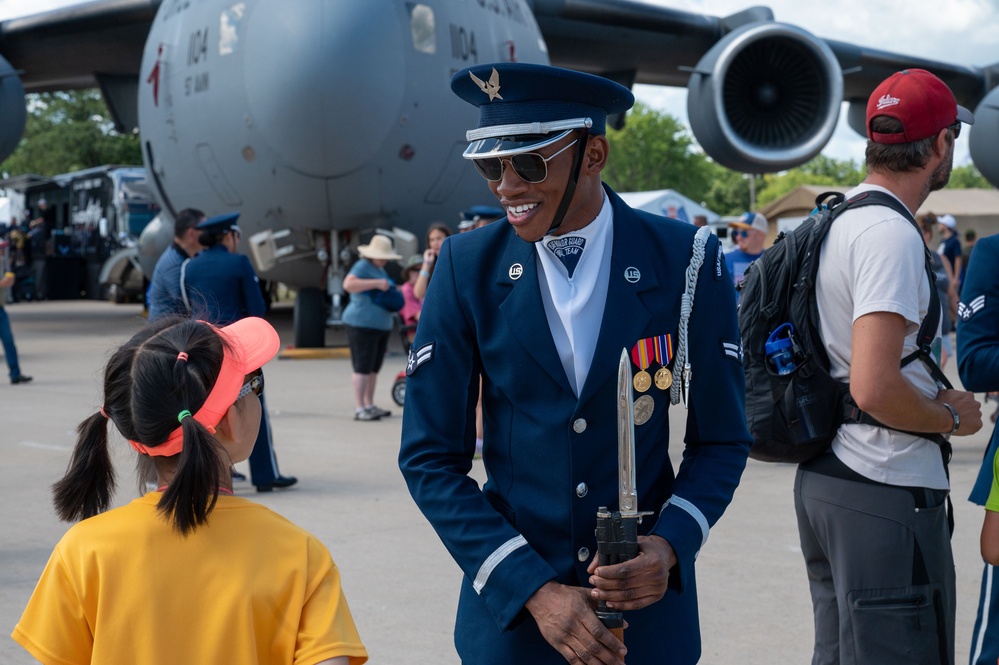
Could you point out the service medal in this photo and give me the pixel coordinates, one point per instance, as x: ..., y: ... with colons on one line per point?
x: 641, y: 355
x: 642, y: 381
x: 663, y: 379
x: 663, y: 348
x: 644, y: 406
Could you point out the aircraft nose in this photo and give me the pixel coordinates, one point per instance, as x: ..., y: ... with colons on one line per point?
x: 324, y: 80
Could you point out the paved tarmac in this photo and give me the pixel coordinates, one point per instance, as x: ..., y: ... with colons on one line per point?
x: 401, y: 584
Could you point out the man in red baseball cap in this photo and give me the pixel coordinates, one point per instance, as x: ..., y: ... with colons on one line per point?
x: 872, y: 510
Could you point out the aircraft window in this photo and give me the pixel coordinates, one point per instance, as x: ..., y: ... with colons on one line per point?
x: 421, y: 23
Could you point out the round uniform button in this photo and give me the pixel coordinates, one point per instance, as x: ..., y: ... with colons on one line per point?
x: 583, y: 554
x: 581, y: 490
x: 579, y: 425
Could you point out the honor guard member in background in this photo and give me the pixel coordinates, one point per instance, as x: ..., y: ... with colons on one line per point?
x: 541, y: 305
x: 164, y: 298
x: 478, y: 216
x: 978, y: 365
x: 219, y: 286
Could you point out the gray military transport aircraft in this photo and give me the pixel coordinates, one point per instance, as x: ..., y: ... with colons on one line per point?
x: 319, y: 119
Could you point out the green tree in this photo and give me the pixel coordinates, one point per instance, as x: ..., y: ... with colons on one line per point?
x: 821, y: 170
x: 967, y: 177
x: 68, y: 131
x: 655, y: 151
x: 728, y: 192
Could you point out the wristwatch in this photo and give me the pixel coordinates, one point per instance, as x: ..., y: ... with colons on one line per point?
x: 957, y: 418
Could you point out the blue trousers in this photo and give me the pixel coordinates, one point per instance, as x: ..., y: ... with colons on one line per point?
x: 263, y: 463
x: 985, y: 638
x: 9, y: 350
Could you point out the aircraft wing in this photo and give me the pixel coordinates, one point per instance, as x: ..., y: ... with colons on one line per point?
x: 762, y: 96
x: 96, y: 44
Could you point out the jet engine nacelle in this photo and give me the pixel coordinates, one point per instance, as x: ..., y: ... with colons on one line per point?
x: 12, y: 109
x: 985, y: 137
x: 764, y: 98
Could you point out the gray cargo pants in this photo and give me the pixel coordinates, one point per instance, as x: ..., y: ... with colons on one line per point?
x: 880, y: 571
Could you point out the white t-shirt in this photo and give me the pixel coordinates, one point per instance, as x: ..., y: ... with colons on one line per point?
x: 873, y: 261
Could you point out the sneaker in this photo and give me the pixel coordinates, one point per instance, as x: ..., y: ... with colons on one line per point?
x: 20, y: 378
x: 380, y: 413
x: 365, y: 414
x: 238, y: 477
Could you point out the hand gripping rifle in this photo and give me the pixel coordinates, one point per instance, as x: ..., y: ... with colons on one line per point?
x: 617, y: 531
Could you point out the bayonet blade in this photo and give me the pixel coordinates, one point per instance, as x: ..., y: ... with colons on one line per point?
x: 627, y: 492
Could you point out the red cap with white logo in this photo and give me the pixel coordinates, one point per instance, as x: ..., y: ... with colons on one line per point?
x: 917, y: 99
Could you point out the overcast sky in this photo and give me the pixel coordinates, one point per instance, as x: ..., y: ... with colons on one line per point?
x: 959, y: 31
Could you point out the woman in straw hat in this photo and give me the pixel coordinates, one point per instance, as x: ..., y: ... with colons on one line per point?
x: 368, y: 323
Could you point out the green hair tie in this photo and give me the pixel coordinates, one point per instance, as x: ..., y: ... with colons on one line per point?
x: 183, y: 414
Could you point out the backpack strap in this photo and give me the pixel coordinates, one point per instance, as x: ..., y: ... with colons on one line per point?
x: 924, y: 337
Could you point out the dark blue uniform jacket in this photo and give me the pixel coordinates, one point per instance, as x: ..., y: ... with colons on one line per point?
x: 978, y: 340
x: 551, y: 458
x: 222, y: 287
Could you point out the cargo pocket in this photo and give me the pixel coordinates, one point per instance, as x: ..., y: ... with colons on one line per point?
x: 903, y: 625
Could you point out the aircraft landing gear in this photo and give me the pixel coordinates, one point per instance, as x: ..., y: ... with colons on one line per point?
x: 310, y: 319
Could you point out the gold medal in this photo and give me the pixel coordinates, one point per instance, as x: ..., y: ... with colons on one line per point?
x: 642, y: 381
x: 644, y: 406
x: 663, y: 379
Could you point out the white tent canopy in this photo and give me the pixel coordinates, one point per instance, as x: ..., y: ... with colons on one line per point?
x: 670, y: 203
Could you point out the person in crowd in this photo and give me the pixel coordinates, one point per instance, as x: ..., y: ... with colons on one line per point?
x: 978, y: 367
x: 952, y: 253
x: 187, y: 573
x: 220, y: 286
x: 410, y: 312
x: 944, y: 288
x: 164, y: 297
x: 6, y: 334
x: 436, y: 235
x: 541, y: 307
x: 872, y: 510
x: 368, y: 323
x: 749, y: 233
x: 970, y: 236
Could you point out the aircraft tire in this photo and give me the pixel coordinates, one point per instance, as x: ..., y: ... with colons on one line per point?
x: 310, y: 319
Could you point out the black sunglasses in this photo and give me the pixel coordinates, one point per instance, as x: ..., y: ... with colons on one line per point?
x: 529, y: 166
x: 956, y: 128
x: 254, y: 384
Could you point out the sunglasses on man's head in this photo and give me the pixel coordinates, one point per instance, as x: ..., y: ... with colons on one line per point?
x: 529, y: 166
x: 254, y: 384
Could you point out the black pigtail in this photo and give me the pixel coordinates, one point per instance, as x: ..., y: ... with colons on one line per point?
x: 89, y: 483
x: 192, y: 495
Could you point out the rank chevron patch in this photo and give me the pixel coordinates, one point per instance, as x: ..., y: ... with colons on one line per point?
x: 966, y: 311
x: 418, y: 357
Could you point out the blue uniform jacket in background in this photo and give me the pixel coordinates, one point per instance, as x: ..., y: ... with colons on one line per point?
x: 551, y: 458
x: 222, y: 287
x: 978, y: 341
x: 163, y: 297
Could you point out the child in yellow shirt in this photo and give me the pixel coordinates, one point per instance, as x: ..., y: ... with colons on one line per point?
x: 188, y: 573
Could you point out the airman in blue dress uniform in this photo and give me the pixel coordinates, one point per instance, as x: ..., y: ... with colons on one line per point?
x: 541, y: 305
x: 978, y: 366
x: 221, y: 287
